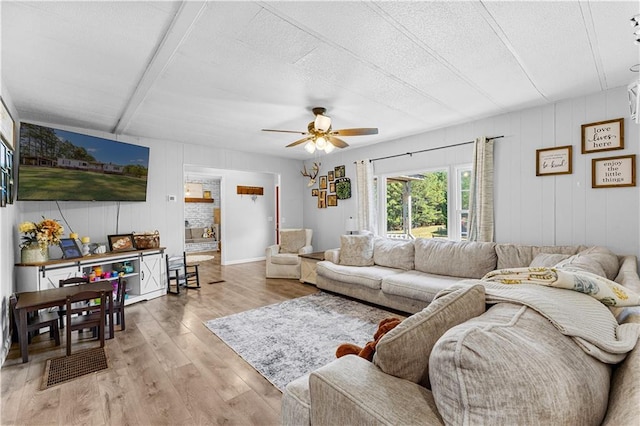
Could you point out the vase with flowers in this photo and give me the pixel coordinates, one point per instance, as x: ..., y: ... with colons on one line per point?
x: 36, y: 239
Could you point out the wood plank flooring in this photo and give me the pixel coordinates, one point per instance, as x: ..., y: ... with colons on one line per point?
x: 166, y: 368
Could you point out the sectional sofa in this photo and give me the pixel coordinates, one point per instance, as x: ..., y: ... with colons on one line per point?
x: 472, y: 352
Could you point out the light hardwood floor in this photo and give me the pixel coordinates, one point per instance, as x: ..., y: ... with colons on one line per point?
x: 165, y: 368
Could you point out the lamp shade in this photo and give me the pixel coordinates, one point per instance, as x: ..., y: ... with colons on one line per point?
x: 322, y: 123
x: 321, y: 142
x: 310, y: 147
x: 350, y: 225
x: 330, y: 147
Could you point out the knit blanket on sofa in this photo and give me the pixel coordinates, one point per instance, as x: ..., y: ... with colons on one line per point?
x: 583, y: 318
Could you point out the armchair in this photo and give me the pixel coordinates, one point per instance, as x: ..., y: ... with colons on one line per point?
x: 282, y: 259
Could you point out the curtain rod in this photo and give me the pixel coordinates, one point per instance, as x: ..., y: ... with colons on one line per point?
x: 429, y: 149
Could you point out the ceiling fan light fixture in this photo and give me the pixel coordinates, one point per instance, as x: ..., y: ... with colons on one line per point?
x: 322, y: 123
x: 310, y: 147
x: 321, y: 142
x: 330, y: 147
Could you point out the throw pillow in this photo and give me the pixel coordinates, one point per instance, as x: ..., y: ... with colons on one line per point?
x: 356, y: 250
x: 393, y: 253
x: 292, y: 240
x: 404, y: 351
x: 547, y: 260
x: 602, y: 256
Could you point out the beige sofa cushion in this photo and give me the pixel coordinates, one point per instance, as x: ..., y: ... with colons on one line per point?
x: 292, y: 240
x: 547, y: 260
x: 356, y: 250
x: 465, y: 259
x: 597, y: 260
x: 518, y: 255
x: 393, y: 253
x: 416, y: 285
x: 404, y: 351
x: 511, y: 366
x: 370, y: 277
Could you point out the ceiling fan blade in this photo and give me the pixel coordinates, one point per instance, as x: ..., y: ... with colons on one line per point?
x: 338, y: 143
x: 299, y: 141
x: 285, y: 131
x: 356, y: 132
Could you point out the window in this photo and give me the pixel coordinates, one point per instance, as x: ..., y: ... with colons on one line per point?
x: 419, y: 205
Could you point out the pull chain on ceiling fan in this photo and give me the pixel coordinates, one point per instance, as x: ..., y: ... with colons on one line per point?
x: 320, y: 136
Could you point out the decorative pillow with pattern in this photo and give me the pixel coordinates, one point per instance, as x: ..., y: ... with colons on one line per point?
x: 356, y: 250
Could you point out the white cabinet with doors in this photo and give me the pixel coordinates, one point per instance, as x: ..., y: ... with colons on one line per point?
x: 141, y: 269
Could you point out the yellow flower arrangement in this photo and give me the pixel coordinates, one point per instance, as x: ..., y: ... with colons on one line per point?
x: 45, y: 233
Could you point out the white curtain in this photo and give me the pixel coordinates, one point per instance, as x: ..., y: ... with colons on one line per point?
x: 365, y: 199
x: 481, y: 192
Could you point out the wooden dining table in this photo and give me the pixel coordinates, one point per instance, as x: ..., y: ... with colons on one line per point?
x: 32, y: 301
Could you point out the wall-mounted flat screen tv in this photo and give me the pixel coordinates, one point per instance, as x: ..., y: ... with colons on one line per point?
x: 66, y: 166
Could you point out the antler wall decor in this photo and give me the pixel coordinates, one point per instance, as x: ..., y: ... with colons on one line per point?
x: 314, y: 173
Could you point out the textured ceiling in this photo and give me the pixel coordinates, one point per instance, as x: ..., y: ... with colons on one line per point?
x: 215, y: 73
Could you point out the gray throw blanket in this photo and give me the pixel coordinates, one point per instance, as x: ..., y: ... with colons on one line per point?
x: 587, y: 321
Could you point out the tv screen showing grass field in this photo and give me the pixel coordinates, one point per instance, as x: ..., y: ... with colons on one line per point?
x: 66, y: 166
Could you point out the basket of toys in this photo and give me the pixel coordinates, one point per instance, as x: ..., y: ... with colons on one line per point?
x: 146, y: 240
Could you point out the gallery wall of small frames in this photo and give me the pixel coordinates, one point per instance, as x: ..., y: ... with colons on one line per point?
x: 332, y: 187
x: 7, y: 127
x: 606, y: 172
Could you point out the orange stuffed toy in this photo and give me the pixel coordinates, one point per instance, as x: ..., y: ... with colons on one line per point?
x: 369, y: 349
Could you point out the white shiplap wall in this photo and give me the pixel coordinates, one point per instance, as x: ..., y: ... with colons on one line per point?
x: 534, y: 210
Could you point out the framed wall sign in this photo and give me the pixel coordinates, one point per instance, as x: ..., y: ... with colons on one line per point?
x: 613, y: 172
x: 603, y: 136
x: 554, y: 161
x: 6, y: 126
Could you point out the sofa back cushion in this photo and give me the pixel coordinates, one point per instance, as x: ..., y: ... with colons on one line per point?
x: 597, y: 260
x: 510, y: 365
x: 292, y: 240
x: 465, y: 259
x: 404, y: 351
x: 356, y: 250
x: 519, y: 255
x: 547, y: 260
x: 397, y: 254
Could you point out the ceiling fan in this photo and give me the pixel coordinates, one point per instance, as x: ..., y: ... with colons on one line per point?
x: 320, y: 135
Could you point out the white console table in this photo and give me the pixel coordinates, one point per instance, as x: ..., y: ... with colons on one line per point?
x: 146, y: 281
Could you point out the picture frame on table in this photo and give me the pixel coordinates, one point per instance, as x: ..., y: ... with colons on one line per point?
x: 122, y: 242
x: 603, y: 136
x: 613, y: 172
x: 554, y: 161
x: 70, y: 248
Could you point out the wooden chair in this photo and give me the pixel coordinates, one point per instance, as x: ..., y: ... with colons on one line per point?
x: 181, y: 274
x: 81, y: 315
x: 118, y: 303
x: 69, y: 281
x: 37, y: 322
x: 191, y: 273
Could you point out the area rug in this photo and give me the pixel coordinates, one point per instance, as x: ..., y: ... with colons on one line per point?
x: 66, y: 368
x: 194, y: 258
x: 290, y: 339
